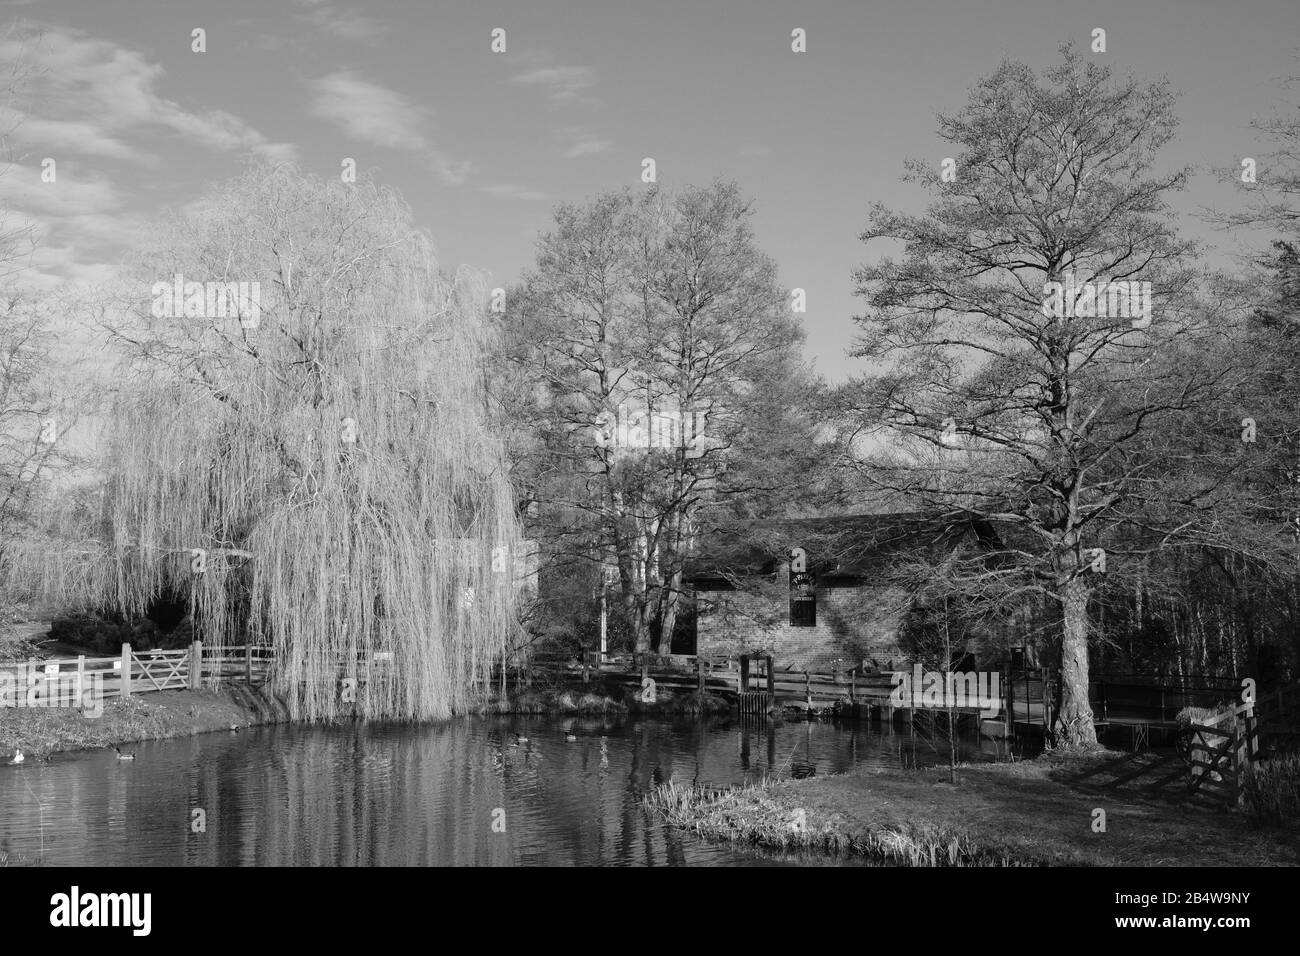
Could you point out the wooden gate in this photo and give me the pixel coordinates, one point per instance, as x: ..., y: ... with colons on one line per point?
x: 159, y: 670
x: 1219, y: 753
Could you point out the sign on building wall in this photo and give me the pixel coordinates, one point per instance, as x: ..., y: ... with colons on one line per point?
x: 803, y: 597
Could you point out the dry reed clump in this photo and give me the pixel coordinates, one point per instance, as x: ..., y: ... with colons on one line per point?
x: 749, y: 815
x: 1271, y: 791
x: 325, y: 483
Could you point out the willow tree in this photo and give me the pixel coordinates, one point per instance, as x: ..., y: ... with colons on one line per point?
x: 307, y: 456
x: 1006, y: 388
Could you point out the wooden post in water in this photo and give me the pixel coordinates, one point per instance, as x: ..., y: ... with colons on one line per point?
x: 771, y: 681
x: 586, y: 673
x: 81, y: 680
x: 744, y: 673
x: 126, y: 670
x: 699, y: 666
x: 248, y: 664
x: 196, y: 665
x: 807, y: 689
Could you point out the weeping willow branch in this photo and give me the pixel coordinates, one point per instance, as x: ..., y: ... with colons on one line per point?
x: 322, y: 481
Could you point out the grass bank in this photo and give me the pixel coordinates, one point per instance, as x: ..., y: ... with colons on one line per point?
x: 40, y: 731
x: 1017, y: 814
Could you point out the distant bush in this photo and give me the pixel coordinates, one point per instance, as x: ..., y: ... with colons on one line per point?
x: 102, y: 635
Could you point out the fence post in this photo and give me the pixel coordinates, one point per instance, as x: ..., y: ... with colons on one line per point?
x: 196, y: 665
x: 699, y: 667
x: 744, y: 673
x: 81, y: 680
x: 248, y: 664
x: 586, y: 661
x: 126, y: 670
x: 1011, y: 703
x: 771, y: 680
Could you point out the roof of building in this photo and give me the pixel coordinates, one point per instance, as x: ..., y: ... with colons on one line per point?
x: 843, y: 547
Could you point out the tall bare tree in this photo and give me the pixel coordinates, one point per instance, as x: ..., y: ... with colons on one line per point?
x: 1022, y: 402
x: 645, y: 311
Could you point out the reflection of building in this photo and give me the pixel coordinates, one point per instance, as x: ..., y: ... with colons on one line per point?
x: 840, y: 607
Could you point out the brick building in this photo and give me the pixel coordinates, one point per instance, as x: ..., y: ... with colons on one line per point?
x: 842, y: 611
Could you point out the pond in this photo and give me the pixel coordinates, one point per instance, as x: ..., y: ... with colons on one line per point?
x: 400, y: 795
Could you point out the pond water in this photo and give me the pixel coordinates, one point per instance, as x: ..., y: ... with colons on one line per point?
x: 385, y: 795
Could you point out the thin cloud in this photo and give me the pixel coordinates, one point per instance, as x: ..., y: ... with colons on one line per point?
x: 374, y: 114
x: 345, y: 24
x: 95, y: 97
x: 564, y: 84
x: 79, y: 219
x: 515, y: 192
x: 578, y: 142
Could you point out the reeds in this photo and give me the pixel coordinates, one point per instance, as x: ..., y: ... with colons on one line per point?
x: 1271, y: 791
x: 751, y: 814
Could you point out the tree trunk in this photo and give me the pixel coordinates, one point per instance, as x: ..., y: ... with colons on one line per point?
x: 1075, y: 714
x: 668, y: 620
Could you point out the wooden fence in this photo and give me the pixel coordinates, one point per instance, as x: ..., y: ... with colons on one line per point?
x: 65, y: 682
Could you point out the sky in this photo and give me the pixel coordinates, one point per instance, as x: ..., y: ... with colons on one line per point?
x: 483, y: 144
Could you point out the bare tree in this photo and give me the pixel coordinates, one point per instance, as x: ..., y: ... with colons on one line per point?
x: 655, y: 315
x: 1015, y: 387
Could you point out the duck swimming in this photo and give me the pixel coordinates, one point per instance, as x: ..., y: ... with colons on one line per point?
x: 18, y: 757
x: 570, y: 737
x: 123, y: 756
x: 520, y: 739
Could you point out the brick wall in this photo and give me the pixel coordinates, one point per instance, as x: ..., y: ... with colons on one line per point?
x: 855, y: 623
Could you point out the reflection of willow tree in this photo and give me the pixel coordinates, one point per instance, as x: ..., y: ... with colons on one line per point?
x: 332, y: 461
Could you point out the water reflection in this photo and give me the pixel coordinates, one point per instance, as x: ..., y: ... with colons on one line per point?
x: 428, y: 795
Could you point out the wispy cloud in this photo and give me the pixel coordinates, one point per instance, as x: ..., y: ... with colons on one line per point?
x: 515, y: 192
x: 371, y: 113
x: 345, y: 24
x: 96, y: 97
x: 577, y: 141
x: 79, y: 219
x: 564, y: 84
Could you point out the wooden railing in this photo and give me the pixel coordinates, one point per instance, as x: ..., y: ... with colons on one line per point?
x: 65, y: 682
